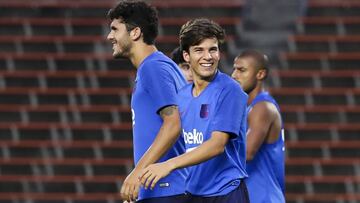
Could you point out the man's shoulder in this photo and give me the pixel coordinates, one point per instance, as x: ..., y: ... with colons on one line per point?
x: 185, y: 89
x: 156, y: 67
x: 265, y: 97
x: 226, y: 81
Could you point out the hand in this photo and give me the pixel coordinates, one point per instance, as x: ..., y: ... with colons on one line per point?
x: 130, y: 187
x: 153, y: 173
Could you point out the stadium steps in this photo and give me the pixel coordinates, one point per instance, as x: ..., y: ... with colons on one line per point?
x: 324, y: 43
x: 70, y: 79
x: 315, y: 78
x: 314, y: 96
x: 321, y: 114
x: 326, y: 8
x: 329, y: 25
x: 318, y: 91
x: 321, y: 60
x: 66, y: 96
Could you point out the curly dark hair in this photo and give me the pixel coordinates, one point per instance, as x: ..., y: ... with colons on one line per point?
x: 195, y: 31
x: 137, y: 14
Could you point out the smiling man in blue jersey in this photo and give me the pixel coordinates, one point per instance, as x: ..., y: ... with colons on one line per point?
x: 265, y: 138
x: 156, y: 120
x: 213, y: 116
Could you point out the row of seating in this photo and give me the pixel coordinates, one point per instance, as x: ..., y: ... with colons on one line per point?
x: 122, y: 79
x: 90, y: 44
x: 321, y: 63
x: 121, y: 96
x: 168, y: 26
x: 334, y: 25
x: 121, y: 149
x: 93, y: 27
x: 110, y: 184
x: 68, y: 79
x: 324, y: 43
x: 85, y: 61
x: 314, y: 166
x: 95, y: 8
x: 115, y: 115
x: 102, y: 132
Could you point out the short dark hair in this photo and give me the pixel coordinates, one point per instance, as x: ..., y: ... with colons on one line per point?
x: 177, y: 56
x: 195, y: 31
x: 137, y: 14
x: 261, y: 60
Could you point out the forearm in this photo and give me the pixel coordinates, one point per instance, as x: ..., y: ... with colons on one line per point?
x: 254, y: 139
x: 164, y: 140
x: 202, y: 153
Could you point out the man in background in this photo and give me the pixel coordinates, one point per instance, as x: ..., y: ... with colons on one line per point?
x: 177, y: 57
x: 265, y: 138
x: 156, y: 120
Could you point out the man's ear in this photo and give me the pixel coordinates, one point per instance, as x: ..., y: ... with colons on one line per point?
x: 261, y: 74
x: 135, y: 33
x: 186, y: 56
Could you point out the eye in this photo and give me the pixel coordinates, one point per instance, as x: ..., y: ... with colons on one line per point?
x: 241, y: 70
x: 214, y: 50
x: 185, y: 66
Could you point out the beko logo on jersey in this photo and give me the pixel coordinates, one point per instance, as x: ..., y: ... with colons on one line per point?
x: 193, y: 137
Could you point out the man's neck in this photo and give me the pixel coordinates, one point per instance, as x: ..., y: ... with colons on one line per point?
x: 140, y: 52
x: 257, y: 90
x: 201, y: 84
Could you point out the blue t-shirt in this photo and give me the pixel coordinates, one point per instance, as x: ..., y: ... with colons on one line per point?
x: 266, y: 170
x: 157, y: 83
x: 221, y: 106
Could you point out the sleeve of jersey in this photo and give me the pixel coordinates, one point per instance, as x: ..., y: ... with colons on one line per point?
x: 160, y: 84
x: 230, y: 111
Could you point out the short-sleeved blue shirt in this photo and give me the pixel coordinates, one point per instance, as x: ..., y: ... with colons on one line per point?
x: 221, y: 106
x: 158, y: 81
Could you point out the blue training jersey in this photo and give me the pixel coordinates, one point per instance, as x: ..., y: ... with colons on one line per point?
x: 266, y: 170
x: 158, y: 81
x: 221, y: 106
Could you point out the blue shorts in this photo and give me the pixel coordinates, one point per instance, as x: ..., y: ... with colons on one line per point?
x: 239, y: 195
x: 183, y: 198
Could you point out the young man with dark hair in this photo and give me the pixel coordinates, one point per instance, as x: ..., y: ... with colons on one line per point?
x: 265, y: 138
x: 177, y: 57
x: 156, y: 120
x: 213, y: 116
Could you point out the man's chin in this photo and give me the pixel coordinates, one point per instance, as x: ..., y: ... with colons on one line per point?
x: 208, y: 76
x: 118, y: 56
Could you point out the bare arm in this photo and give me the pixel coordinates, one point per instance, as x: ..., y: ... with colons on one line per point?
x: 166, y: 137
x: 260, y: 119
x: 207, y: 150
